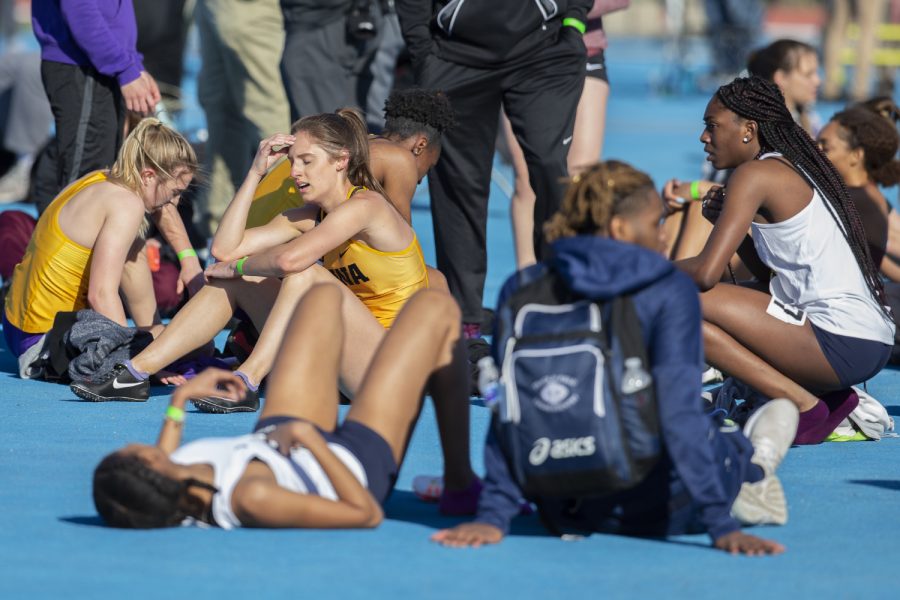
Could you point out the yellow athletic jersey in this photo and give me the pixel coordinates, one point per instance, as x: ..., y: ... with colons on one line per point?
x: 53, y: 275
x: 275, y: 194
x: 384, y: 281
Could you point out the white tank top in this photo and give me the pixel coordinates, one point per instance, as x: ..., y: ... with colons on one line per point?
x: 229, y: 457
x: 816, y: 272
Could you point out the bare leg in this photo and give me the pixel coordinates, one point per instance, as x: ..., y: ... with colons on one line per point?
x: 436, y: 280
x: 362, y: 332
x: 424, y: 340
x: 449, y: 388
x: 673, y: 228
x: 204, y: 316
x: 521, y: 203
x: 776, y: 358
x: 303, y: 383
x: 590, y: 125
x: 270, y: 305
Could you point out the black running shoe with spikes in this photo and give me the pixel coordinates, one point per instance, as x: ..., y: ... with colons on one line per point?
x: 118, y: 385
x: 220, y: 405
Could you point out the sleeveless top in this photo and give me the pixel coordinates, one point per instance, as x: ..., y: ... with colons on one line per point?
x: 54, y: 273
x: 229, y: 457
x: 383, y: 281
x: 815, y: 272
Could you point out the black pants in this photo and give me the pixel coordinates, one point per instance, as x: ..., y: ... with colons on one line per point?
x: 325, y: 68
x: 539, y: 94
x: 162, y: 35
x: 90, y: 115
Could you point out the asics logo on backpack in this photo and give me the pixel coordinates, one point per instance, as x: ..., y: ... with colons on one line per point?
x: 555, y: 393
x: 563, y: 448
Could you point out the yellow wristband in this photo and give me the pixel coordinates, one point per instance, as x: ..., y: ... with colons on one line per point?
x: 577, y: 24
x: 695, y: 190
x: 186, y: 253
x: 239, y: 266
x: 175, y: 414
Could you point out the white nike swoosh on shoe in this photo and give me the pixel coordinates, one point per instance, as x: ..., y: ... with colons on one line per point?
x: 119, y: 386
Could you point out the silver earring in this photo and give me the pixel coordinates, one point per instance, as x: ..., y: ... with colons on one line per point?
x: 746, y: 139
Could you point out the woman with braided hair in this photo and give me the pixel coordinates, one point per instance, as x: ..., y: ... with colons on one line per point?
x: 818, y: 323
x: 299, y: 467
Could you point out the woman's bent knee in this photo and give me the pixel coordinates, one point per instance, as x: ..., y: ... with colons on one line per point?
x: 439, y: 305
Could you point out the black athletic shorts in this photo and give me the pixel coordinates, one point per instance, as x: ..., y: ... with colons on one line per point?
x: 596, y: 67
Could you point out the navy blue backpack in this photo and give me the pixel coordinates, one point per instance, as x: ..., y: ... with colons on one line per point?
x: 565, y: 427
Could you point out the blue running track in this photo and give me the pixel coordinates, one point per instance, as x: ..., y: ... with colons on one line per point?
x: 842, y: 536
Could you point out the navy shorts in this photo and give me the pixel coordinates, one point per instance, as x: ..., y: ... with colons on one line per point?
x: 369, y: 448
x: 854, y: 360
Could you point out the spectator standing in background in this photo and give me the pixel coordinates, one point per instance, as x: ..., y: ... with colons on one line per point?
x: 92, y: 73
x: 329, y: 49
x: 587, y: 139
x: 869, y: 14
x: 241, y: 91
x: 484, y: 53
x: 25, y: 119
x: 734, y: 27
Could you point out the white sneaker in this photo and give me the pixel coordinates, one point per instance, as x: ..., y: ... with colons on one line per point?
x: 14, y: 184
x: 712, y: 375
x: 771, y: 429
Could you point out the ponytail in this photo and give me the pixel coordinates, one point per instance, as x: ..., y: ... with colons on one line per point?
x: 341, y: 133
x: 152, y: 145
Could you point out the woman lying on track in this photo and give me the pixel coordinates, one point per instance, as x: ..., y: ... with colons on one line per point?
x: 299, y: 468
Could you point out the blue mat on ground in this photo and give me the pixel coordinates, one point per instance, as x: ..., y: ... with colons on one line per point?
x: 843, y: 498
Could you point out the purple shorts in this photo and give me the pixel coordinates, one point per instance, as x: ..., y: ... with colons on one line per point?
x: 17, y: 340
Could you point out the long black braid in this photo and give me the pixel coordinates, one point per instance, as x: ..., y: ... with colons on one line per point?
x: 759, y: 100
x: 128, y: 493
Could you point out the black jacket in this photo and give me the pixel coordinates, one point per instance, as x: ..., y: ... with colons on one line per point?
x: 483, y: 33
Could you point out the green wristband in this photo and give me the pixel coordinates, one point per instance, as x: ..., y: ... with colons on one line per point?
x: 175, y: 414
x: 695, y: 190
x: 239, y: 266
x: 577, y: 24
x: 186, y: 253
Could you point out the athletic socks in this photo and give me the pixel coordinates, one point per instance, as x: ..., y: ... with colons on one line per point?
x: 140, y: 375
x: 461, y: 503
x: 840, y: 404
x: 250, y: 386
x: 812, y: 421
x: 818, y: 422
